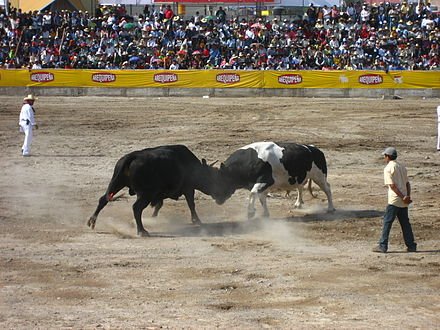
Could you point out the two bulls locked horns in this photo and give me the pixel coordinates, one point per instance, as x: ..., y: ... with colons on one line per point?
x: 154, y: 174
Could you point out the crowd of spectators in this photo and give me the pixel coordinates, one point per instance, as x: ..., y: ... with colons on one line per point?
x: 358, y: 36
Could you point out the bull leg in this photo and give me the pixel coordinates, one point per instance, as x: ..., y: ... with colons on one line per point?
x: 251, y: 206
x: 102, y: 202
x: 299, y: 199
x: 263, y: 201
x: 328, y: 192
x: 138, y: 206
x: 255, y: 191
x: 189, y: 196
x: 321, y: 181
x: 157, y: 207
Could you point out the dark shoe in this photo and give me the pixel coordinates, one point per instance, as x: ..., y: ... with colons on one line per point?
x: 379, y: 249
x: 412, y: 249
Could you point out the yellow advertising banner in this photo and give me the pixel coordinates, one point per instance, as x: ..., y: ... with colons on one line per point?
x: 352, y: 79
x: 219, y: 79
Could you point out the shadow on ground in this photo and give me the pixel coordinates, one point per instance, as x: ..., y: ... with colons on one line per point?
x: 245, y: 227
x: 335, y: 216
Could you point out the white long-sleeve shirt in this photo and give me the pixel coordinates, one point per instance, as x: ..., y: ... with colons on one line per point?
x: 27, y: 113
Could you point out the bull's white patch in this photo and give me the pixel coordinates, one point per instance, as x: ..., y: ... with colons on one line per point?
x: 227, y: 78
x: 272, y: 153
x: 371, y: 79
x: 42, y: 77
x: 165, y: 77
x: 290, y: 79
x: 103, y: 77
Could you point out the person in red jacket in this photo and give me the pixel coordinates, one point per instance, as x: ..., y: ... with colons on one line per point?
x: 168, y: 13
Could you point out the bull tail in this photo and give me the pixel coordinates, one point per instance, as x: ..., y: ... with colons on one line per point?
x: 120, y: 176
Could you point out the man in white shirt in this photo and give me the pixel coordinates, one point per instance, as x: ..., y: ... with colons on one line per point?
x: 399, y: 198
x: 27, y: 123
x: 365, y: 14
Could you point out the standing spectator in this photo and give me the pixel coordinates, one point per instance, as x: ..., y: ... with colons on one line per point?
x: 326, y: 12
x: 399, y: 198
x: 168, y: 14
x: 311, y: 14
x: 47, y: 20
x: 146, y: 11
x: 334, y: 14
x: 221, y: 14
x: 351, y: 11
x: 27, y: 123
x: 365, y: 14
x: 197, y: 17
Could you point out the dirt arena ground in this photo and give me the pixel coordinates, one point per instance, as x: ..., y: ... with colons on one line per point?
x: 301, y: 269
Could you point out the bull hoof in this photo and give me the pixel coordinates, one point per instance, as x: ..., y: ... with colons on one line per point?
x: 196, y: 221
x: 91, y: 223
x: 331, y: 210
x: 143, y: 233
x: 251, y: 215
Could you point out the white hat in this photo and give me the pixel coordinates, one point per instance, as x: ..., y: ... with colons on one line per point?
x: 30, y: 97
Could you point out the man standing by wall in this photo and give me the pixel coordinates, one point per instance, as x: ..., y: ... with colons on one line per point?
x: 399, y: 198
x: 27, y: 123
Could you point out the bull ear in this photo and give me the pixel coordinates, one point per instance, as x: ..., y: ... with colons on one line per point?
x: 204, y: 161
x: 222, y: 166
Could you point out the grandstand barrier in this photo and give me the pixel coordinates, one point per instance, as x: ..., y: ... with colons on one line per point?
x: 222, y: 82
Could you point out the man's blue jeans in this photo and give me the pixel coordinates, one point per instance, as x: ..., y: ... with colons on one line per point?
x: 391, y: 212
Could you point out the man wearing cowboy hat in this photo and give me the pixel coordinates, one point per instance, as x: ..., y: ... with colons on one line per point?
x: 27, y: 122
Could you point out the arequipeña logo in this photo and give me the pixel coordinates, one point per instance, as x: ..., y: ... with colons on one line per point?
x: 103, y: 77
x: 165, y: 77
x: 42, y: 77
x: 228, y: 78
x: 290, y: 79
x: 371, y: 79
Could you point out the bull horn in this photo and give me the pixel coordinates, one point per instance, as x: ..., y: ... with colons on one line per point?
x: 213, y: 163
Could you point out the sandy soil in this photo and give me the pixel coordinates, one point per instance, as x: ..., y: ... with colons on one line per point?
x: 301, y: 269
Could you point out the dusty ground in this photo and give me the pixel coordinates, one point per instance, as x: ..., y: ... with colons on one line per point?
x: 300, y: 269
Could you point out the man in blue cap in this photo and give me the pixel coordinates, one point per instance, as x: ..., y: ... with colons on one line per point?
x: 399, y: 198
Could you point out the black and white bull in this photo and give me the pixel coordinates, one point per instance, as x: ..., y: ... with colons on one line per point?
x: 154, y: 174
x: 262, y: 167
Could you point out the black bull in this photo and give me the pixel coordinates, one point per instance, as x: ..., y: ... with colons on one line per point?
x: 154, y: 174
